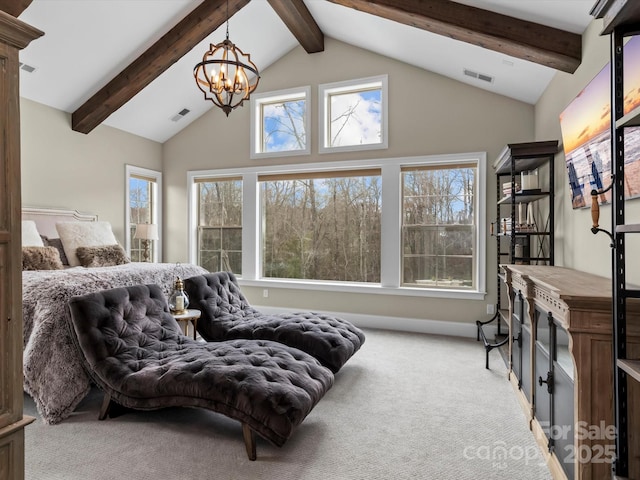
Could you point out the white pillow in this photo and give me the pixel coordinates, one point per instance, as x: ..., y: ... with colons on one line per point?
x: 30, y: 235
x: 83, y: 234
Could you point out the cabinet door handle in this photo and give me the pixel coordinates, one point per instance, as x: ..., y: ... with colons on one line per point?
x: 518, y: 339
x: 548, y: 381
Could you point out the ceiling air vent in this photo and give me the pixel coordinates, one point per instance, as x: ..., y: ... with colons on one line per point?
x: 180, y: 115
x: 27, y: 68
x: 478, y: 76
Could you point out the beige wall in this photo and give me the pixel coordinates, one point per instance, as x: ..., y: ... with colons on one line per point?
x: 576, y: 246
x: 65, y: 169
x: 428, y: 114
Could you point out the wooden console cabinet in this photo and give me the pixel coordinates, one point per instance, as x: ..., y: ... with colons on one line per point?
x: 561, y: 365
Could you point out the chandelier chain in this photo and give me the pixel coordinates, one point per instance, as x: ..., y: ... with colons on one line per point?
x: 227, y: 19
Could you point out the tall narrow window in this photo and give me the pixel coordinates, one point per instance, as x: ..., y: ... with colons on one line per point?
x: 353, y: 115
x: 280, y: 123
x: 143, y: 206
x: 219, y: 240
x: 438, y: 226
x: 322, y: 226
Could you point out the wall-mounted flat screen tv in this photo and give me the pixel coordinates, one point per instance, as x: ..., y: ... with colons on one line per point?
x: 586, y: 133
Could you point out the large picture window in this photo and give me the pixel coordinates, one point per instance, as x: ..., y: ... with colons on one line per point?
x: 353, y: 115
x: 322, y: 226
x: 410, y: 226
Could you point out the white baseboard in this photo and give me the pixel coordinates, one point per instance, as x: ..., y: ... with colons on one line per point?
x: 435, y: 327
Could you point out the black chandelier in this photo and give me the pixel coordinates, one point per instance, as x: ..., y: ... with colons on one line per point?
x: 222, y: 74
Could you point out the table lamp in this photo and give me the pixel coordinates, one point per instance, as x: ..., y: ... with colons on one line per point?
x: 146, y: 232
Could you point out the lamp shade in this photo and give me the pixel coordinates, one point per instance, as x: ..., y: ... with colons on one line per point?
x: 146, y: 231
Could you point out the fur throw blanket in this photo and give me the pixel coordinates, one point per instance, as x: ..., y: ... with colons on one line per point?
x: 53, y: 372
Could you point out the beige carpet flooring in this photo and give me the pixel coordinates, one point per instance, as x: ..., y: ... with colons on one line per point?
x: 406, y: 406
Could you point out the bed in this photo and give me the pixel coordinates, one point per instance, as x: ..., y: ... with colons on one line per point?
x: 53, y: 373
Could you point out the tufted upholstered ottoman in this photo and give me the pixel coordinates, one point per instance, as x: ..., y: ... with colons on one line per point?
x: 226, y: 314
x: 134, y: 350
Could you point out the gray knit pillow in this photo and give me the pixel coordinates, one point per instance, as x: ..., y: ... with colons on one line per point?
x: 102, y: 256
x: 57, y: 243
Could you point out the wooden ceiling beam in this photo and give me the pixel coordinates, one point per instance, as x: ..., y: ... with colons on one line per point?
x: 14, y: 7
x: 298, y: 19
x: 178, y: 41
x: 529, y: 41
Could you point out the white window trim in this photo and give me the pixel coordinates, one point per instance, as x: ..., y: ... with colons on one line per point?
x: 131, y: 170
x: 326, y: 89
x: 256, y: 120
x: 390, y: 281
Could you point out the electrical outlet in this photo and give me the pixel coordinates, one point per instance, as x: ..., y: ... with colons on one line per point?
x: 265, y: 293
x: 491, y: 309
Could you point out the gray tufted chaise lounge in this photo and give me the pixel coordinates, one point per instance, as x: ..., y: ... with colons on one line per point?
x: 226, y: 314
x: 134, y: 350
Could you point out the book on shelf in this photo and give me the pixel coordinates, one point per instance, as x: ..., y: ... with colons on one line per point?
x: 508, y: 187
x: 507, y: 226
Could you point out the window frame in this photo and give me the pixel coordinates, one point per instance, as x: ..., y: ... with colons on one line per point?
x: 156, y: 210
x: 197, y: 213
x: 255, y: 131
x: 327, y: 89
x: 391, y: 242
x: 434, y: 227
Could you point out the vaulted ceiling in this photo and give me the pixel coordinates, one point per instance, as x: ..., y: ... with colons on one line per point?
x: 128, y: 63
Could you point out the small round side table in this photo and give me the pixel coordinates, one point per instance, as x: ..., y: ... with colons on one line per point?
x: 189, y: 315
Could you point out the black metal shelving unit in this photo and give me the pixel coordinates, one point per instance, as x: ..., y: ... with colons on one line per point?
x: 517, y: 242
x: 620, y: 19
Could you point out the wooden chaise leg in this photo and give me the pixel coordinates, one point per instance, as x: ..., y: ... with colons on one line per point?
x: 249, y: 441
x: 104, y: 410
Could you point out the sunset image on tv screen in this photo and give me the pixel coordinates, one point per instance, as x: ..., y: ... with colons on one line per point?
x: 586, y: 133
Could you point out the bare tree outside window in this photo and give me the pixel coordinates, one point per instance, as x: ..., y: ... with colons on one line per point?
x: 140, y: 211
x: 279, y: 123
x: 356, y: 118
x: 323, y: 223
x: 322, y: 228
x: 353, y: 115
x: 438, y: 232
x: 220, y: 225
x: 284, y: 126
